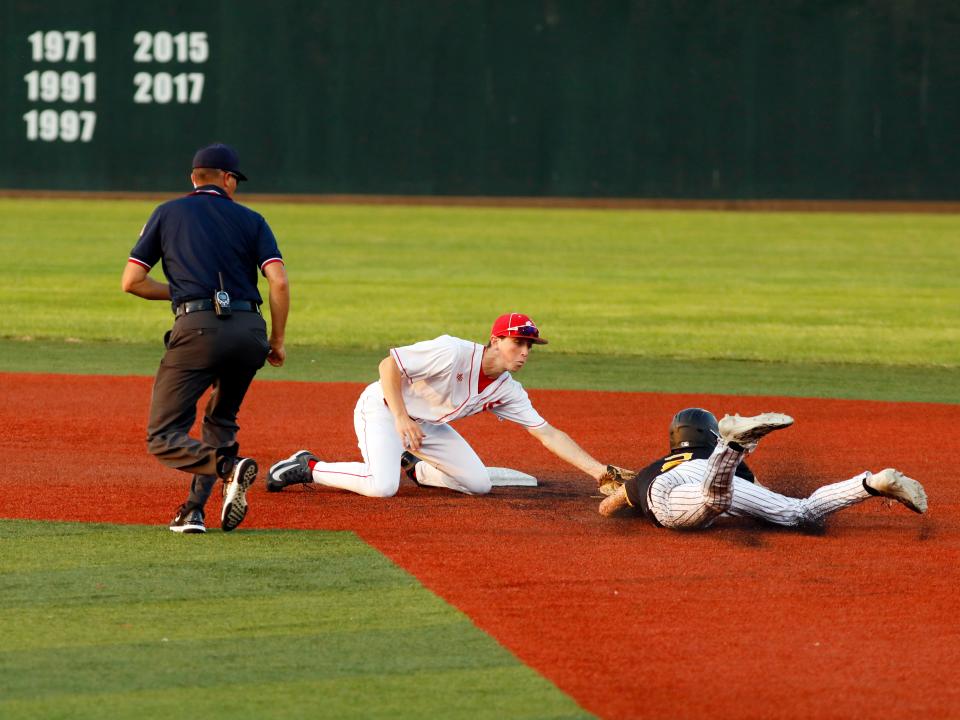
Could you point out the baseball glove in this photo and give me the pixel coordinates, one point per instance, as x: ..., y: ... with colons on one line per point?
x: 613, y: 479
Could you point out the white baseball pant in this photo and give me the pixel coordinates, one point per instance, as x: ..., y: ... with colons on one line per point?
x: 694, y: 494
x: 450, y: 461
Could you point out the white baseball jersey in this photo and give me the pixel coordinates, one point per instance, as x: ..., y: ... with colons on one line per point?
x: 443, y: 384
x: 442, y: 381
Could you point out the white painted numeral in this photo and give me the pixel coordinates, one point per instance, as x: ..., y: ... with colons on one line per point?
x: 198, y: 49
x: 68, y: 126
x: 57, y: 46
x: 163, y: 88
x: 88, y: 121
x: 164, y: 47
x: 143, y: 40
x: 70, y: 86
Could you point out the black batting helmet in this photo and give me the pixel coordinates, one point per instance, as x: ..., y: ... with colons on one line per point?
x: 693, y: 427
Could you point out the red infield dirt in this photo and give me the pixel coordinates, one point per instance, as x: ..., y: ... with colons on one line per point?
x: 740, y: 621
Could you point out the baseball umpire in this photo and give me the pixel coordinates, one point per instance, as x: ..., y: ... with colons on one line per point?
x: 210, y: 249
x: 703, y: 478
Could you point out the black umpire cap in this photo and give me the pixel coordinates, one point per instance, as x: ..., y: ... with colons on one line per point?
x: 219, y: 157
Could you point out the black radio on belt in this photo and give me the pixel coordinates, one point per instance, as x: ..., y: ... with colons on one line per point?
x: 221, y: 301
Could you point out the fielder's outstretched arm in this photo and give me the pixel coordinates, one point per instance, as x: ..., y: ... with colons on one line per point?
x: 563, y: 446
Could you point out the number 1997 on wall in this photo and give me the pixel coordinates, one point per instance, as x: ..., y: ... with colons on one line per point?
x: 67, y: 126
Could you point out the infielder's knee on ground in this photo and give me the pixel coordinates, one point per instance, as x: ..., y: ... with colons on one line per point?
x: 476, y: 483
x: 382, y: 489
x: 474, y: 480
x: 381, y: 484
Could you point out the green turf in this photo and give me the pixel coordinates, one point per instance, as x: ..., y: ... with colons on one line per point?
x: 131, y: 622
x: 744, y: 303
x: 875, y: 289
x: 547, y: 369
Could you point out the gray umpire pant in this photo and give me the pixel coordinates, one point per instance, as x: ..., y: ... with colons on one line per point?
x: 204, y: 351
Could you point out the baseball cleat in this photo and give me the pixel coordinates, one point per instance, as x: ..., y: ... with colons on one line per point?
x: 894, y: 484
x: 747, y: 431
x: 188, y: 521
x: 235, y: 493
x: 292, y: 471
x: 408, y: 465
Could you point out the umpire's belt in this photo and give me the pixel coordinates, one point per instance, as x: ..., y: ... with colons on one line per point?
x: 191, y: 306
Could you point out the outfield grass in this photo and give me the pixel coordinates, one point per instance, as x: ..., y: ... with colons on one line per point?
x: 130, y: 622
x: 796, y: 288
x: 747, y: 303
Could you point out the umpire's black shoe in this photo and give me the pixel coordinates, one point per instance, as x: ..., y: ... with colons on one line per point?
x: 295, y: 470
x: 242, y: 476
x: 188, y: 521
x: 408, y: 466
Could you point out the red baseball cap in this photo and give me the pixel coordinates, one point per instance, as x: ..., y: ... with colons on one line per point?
x: 517, y: 325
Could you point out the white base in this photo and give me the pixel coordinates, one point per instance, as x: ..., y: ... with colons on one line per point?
x: 507, y: 477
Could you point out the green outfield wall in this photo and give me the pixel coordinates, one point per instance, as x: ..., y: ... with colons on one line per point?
x: 591, y: 98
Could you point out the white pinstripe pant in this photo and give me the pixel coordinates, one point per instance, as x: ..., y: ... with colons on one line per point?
x: 697, y: 492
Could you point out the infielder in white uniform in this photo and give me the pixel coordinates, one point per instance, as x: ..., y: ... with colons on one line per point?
x: 422, y: 389
x: 703, y: 479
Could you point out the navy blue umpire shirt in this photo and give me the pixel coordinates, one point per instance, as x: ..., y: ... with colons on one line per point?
x: 201, y: 235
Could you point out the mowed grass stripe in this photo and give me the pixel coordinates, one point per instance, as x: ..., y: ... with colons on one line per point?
x: 491, y: 694
x: 52, y: 624
x: 210, y: 663
x: 130, y: 621
x: 547, y: 369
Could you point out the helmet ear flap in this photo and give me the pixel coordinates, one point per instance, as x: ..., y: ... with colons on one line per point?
x: 693, y: 427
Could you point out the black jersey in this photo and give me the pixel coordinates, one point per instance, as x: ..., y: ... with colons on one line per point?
x: 638, y: 487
